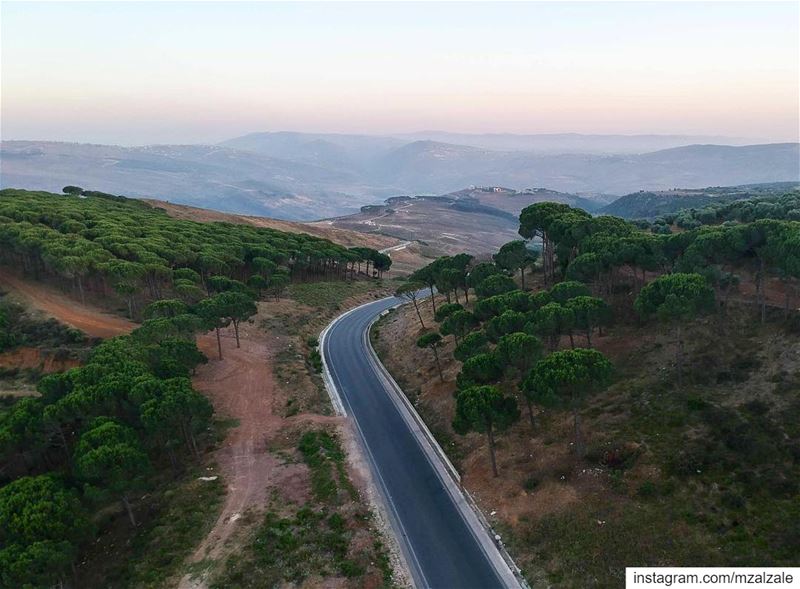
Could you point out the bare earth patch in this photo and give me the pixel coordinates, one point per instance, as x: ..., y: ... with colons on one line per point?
x: 257, y: 457
x: 51, y: 301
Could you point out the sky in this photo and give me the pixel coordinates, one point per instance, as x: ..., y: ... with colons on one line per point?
x: 142, y: 73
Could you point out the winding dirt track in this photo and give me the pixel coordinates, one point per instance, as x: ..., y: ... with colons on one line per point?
x: 52, y: 302
x: 241, y: 386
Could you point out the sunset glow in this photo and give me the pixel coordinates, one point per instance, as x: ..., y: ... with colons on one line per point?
x: 178, y: 73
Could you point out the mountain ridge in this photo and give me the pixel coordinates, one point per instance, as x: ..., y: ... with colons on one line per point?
x: 323, y: 175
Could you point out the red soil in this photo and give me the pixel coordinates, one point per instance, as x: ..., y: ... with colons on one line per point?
x: 89, y: 320
x: 22, y: 358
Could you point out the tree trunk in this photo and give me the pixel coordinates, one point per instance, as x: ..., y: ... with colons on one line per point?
x: 466, y: 295
x: 530, y: 412
x: 579, y: 449
x: 416, y: 308
x: 219, y: 344
x: 80, y: 290
x: 433, y: 300
x: 172, y: 460
x: 589, y: 337
x: 571, y: 341
x: 438, y: 365
x: 761, y: 298
x: 490, y: 433
x: 786, y: 301
x: 236, y: 331
x: 679, y: 356
x: 128, y: 508
x: 194, y: 444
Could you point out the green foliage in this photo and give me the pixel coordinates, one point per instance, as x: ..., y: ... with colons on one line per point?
x: 481, y: 272
x: 315, y: 359
x: 564, y: 291
x: 458, y: 324
x: 565, y: 378
x: 745, y: 210
x: 109, y: 458
x: 479, y: 369
x: 494, y: 285
x: 165, y: 308
x: 518, y: 351
x: 141, y: 253
x: 429, y: 340
x: 481, y: 408
x: 43, y: 527
x: 179, y: 517
x: 444, y: 311
x: 21, y: 328
x: 507, y: 322
x: 590, y: 313
x: 586, y: 267
x: 553, y: 320
x: 512, y: 256
x: 471, y: 344
x: 675, y: 297
x: 177, y: 414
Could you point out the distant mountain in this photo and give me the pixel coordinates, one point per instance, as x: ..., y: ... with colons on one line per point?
x: 648, y: 205
x: 559, y: 143
x: 513, y: 201
x: 324, y: 149
x: 300, y: 176
x: 200, y: 175
x: 428, y: 166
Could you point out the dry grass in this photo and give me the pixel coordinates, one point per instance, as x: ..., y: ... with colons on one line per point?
x: 637, y: 498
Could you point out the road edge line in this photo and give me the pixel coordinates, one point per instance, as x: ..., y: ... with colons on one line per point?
x: 327, y: 379
x: 444, y: 462
x: 380, y: 499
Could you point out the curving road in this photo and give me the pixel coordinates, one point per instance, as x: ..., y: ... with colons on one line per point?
x: 442, y: 541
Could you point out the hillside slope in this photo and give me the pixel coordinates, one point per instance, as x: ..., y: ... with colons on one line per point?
x: 475, y: 220
x: 215, y: 177
x: 698, y: 476
x: 649, y: 204
x: 292, y: 176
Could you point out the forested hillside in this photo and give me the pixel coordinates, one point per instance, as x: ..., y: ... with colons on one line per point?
x: 126, y: 427
x: 104, y: 245
x: 649, y: 205
x: 616, y: 396
x: 781, y: 207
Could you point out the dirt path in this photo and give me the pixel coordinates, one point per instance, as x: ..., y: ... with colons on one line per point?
x: 243, y: 386
x: 56, y: 304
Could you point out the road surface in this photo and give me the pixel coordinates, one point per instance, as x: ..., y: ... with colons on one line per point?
x: 442, y: 549
x: 395, y: 248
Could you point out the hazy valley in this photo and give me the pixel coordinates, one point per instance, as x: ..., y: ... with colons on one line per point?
x: 300, y: 176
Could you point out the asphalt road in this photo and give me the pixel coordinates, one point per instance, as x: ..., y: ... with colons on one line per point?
x: 441, y: 548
